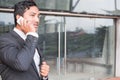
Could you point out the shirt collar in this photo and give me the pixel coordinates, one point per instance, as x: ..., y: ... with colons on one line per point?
x: 20, y: 33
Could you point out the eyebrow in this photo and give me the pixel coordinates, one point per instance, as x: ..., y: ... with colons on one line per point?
x: 35, y: 13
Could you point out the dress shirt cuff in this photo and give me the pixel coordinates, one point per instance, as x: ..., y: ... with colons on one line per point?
x: 33, y: 34
x: 45, y: 78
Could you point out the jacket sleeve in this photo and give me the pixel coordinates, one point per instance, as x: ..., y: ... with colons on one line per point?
x: 18, y: 59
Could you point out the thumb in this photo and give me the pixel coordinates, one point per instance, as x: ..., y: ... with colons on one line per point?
x: 44, y: 63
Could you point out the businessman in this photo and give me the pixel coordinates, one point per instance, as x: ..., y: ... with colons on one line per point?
x: 19, y: 52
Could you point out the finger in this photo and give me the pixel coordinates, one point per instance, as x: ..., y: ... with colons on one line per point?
x: 44, y: 63
x: 45, y: 68
x: 44, y: 73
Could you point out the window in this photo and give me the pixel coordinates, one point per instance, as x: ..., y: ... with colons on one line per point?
x: 82, y: 47
x: 6, y: 25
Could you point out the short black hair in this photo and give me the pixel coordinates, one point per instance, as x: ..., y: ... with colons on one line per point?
x: 20, y: 8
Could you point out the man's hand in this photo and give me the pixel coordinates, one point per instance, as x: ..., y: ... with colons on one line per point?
x: 28, y: 26
x: 44, y: 69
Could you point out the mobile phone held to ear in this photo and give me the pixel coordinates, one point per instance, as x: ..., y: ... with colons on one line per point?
x: 20, y: 20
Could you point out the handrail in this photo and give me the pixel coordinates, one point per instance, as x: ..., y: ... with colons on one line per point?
x: 90, y: 63
x: 70, y: 14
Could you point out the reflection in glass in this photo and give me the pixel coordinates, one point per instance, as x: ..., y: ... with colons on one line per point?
x: 6, y: 22
x: 42, y: 4
x: 110, y: 7
x: 89, y: 47
x: 83, y: 44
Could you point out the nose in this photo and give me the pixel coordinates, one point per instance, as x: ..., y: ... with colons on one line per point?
x: 37, y: 19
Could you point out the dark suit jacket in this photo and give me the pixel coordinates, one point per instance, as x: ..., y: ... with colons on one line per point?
x: 17, y: 55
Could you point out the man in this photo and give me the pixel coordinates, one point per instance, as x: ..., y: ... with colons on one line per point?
x: 19, y: 51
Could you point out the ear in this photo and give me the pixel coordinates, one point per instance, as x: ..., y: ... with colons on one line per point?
x: 17, y: 17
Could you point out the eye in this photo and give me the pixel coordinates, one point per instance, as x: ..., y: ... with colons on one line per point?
x: 32, y: 15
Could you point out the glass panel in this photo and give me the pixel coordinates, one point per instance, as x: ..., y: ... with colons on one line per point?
x: 6, y: 25
x: 50, y: 32
x: 8, y: 3
x: 86, y: 40
x: 94, y: 6
x: 117, y: 7
x: 90, y: 48
x: 43, y: 4
x: 54, y: 4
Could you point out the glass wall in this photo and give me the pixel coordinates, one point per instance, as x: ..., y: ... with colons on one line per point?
x: 6, y: 22
x: 78, y: 48
x: 110, y: 7
x: 75, y: 48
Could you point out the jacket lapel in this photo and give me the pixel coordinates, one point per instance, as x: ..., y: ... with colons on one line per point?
x: 34, y: 66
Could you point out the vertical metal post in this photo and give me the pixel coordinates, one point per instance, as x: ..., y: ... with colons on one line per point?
x: 65, y: 57
x: 117, y: 65
x: 59, y: 50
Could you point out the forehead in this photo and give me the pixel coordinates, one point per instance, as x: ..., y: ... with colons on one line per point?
x: 32, y: 9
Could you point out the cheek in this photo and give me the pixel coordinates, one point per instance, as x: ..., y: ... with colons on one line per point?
x: 27, y: 17
x: 31, y: 20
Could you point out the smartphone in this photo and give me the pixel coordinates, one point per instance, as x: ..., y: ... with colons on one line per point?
x: 20, y: 20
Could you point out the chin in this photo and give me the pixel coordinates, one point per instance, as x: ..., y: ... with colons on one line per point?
x: 36, y: 30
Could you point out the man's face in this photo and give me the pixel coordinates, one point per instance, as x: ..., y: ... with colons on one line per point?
x: 32, y: 16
